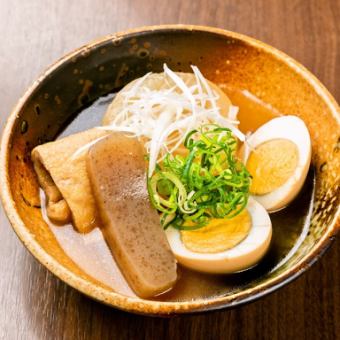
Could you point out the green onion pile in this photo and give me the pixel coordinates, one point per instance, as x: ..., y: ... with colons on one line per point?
x: 208, y: 183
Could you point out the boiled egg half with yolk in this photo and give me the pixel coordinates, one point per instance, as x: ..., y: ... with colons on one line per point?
x: 278, y: 156
x: 224, y: 245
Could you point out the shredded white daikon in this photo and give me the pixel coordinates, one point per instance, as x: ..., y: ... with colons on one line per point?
x: 83, y: 149
x: 163, y: 117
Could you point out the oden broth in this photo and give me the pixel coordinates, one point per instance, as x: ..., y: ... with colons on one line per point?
x: 290, y: 225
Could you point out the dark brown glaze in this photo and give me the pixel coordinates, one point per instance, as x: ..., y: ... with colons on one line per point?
x: 131, y: 227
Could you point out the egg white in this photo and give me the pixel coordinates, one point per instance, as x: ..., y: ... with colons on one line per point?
x: 293, y: 129
x: 244, y: 255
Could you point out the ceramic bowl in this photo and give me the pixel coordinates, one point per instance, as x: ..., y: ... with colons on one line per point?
x: 107, y: 64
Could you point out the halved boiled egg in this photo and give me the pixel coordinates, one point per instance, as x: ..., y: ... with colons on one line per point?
x: 224, y: 245
x: 278, y: 158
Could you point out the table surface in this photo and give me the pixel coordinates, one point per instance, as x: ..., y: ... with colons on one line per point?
x: 36, y: 305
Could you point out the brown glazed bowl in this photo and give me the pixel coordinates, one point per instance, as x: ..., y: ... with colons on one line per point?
x: 109, y: 63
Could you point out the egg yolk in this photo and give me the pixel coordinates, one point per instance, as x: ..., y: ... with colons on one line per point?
x: 219, y: 235
x: 271, y: 164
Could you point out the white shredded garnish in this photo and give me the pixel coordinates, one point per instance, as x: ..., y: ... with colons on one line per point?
x: 163, y: 117
x: 233, y: 112
x: 247, y: 147
x: 85, y: 147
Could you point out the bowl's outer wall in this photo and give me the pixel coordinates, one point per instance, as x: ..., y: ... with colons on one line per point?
x: 106, y: 66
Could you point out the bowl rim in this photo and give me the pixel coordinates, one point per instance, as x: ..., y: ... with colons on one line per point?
x: 134, y: 304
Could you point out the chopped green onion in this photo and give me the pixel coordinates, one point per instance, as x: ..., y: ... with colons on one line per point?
x: 208, y: 183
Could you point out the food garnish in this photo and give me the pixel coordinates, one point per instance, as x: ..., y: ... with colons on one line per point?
x: 164, y: 117
x: 210, y: 182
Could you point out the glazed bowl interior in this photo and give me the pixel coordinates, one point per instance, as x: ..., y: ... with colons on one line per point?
x: 104, y: 66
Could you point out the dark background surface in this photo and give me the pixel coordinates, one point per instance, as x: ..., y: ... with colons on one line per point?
x: 36, y: 305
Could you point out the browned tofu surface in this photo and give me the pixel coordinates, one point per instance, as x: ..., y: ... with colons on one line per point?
x: 63, y: 177
x: 131, y: 227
